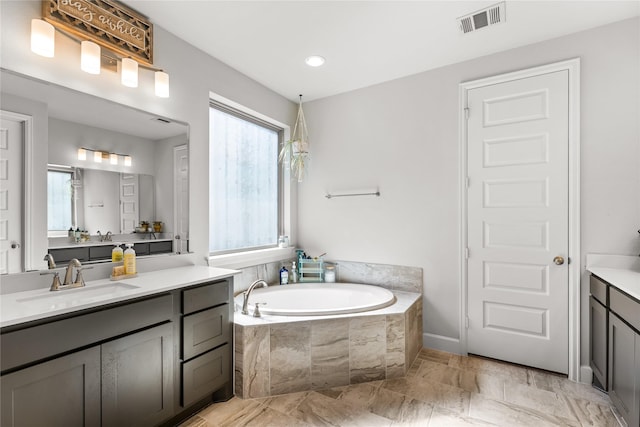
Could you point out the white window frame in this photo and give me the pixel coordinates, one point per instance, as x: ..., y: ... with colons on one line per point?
x: 245, y: 258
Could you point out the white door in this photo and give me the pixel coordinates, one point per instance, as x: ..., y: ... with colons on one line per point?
x: 129, y: 201
x: 517, y: 201
x: 11, y: 189
x: 181, y: 197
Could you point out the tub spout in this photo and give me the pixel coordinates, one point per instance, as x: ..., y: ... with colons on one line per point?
x: 245, y: 294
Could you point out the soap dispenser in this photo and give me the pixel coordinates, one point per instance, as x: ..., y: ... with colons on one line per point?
x: 129, y: 260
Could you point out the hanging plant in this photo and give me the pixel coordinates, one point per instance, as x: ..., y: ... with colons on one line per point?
x: 295, y: 152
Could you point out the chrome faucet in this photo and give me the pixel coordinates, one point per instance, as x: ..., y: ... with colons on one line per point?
x: 51, y: 264
x: 245, y: 301
x: 107, y: 237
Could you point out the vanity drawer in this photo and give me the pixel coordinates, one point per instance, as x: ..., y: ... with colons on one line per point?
x: 141, y: 248
x: 205, y: 374
x: 67, y: 254
x: 205, y: 296
x: 100, y: 252
x: 625, y: 307
x: 205, y: 330
x: 160, y: 247
x: 598, y: 289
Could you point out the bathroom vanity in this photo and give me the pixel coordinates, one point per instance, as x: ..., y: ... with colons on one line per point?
x: 96, y: 251
x: 614, y: 318
x: 149, y: 350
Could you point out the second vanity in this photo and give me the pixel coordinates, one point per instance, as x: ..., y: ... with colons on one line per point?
x: 614, y: 319
x: 149, y: 350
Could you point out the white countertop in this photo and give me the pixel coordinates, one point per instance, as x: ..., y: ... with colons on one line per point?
x: 20, y: 307
x: 621, y: 271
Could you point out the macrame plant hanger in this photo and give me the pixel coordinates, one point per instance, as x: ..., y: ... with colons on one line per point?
x: 296, y: 150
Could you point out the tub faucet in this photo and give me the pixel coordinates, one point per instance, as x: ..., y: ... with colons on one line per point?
x: 245, y: 301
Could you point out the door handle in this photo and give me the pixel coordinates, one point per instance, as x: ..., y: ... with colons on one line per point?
x: 15, y: 245
x: 558, y: 260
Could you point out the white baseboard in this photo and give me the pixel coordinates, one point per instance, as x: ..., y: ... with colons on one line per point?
x: 586, y: 374
x: 442, y: 343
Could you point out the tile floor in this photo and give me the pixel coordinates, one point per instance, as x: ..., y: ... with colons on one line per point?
x: 440, y: 389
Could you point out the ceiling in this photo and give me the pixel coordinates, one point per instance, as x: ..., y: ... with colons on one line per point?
x: 364, y: 42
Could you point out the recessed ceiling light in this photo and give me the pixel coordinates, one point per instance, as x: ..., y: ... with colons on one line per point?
x: 314, y: 61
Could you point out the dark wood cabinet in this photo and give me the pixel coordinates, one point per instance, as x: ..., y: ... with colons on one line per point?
x: 137, y: 378
x: 61, y: 392
x: 599, y: 327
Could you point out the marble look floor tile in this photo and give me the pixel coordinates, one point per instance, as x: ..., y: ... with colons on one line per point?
x: 264, y: 416
x: 558, y: 383
x: 507, y: 414
x: 515, y: 373
x: 399, y: 407
x: 441, y: 417
x: 491, y: 385
x: 590, y: 413
x: 229, y: 412
x: 442, y: 395
x: 540, y: 400
x: 195, y: 421
x: 319, y: 410
x: 333, y: 393
x: 415, y: 367
x: 434, y: 356
x: 284, y: 403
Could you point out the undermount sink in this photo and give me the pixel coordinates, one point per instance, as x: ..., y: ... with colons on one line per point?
x: 69, y: 297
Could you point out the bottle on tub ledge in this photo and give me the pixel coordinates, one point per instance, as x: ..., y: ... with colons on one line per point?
x: 284, y: 276
x: 293, y: 274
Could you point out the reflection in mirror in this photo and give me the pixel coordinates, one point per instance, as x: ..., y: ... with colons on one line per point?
x: 90, y: 194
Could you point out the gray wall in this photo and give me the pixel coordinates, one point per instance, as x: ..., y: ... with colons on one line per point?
x: 402, y: 137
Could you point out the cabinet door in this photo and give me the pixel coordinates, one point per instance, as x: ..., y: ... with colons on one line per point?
x: 599, y: 353
x: 137, y: 378
x: 62, y: 392
x: 624, y: 370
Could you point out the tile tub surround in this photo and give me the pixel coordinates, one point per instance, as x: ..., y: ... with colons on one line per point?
x: 278, y: 354
x: 392, y: 277
x: 440, y: 390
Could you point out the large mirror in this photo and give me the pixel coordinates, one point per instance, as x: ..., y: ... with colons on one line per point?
x: 108, y: 168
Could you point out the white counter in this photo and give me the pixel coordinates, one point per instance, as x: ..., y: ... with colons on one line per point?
x: 621, y: 271
x: 20, y: 307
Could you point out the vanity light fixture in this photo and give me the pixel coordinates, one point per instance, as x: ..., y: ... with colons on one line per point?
x: 314, y: 61
x: 90, y: 57
x: 42, y: 38
x: 43, y: 44
x: 99, y: 156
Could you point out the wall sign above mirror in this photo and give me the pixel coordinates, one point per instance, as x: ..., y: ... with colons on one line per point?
x: 105, y: 22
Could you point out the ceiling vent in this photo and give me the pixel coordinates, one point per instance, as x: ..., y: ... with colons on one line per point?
x: 491, y: 15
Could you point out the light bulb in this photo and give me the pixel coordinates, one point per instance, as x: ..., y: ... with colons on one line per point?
x: 129, y: 75
x: 113, y: 158
x: 97, y: 156
x: 82, y: 154
x: 127, y: 160
x: 90, y: 57
x: 42, y: 38
x: 162, y: 84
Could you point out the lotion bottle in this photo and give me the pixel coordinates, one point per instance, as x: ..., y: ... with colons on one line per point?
x: 284, y: 276
x: 116, y: 253
x: 129, y: 260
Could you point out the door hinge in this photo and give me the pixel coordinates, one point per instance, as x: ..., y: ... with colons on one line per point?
x: 568, y: 260
x: 466, y: 322
x: 466, y: 113
x: 466, y: 253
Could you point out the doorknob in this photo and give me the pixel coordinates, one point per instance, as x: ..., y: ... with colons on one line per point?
x: 15, y: 245
x: 558, y: 260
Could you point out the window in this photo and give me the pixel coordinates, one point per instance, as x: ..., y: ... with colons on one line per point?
x: 245, y: 181
x: 59, y: 202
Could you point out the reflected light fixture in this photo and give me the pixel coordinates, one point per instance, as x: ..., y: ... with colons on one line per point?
x: 90, y: 57
x: 129, y: 72
x: 162, y: 84
x: 82, y: 154
x: 113, y: 157
x: 314, y: 61
x: 127, y: 160
x: 97, y: 156
x: 42, y: 38
x: 100, y: 156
